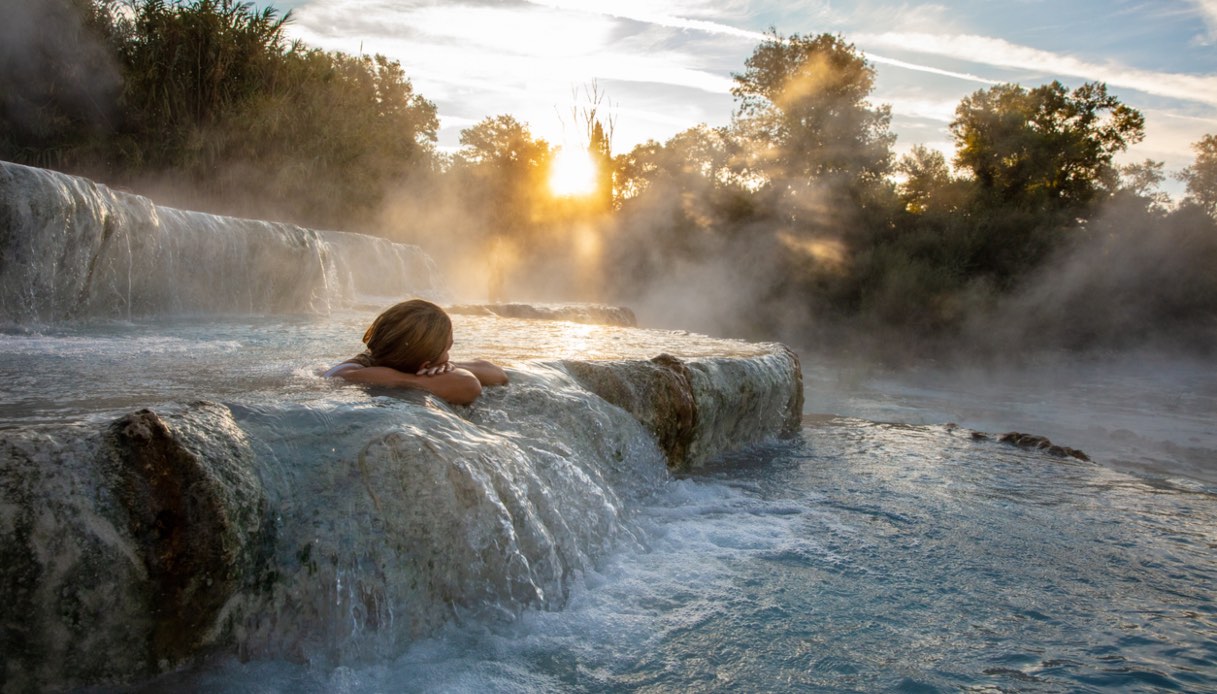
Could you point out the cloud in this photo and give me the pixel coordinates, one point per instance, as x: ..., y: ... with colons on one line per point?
x: 1169, y: 137
x: 941, y: 110
x: 481, y: 59
x: 503, y: 49
x: 881, y: 60
x: 987, y: 50
x: 1208, y: 11
x: 644, y: 12
x: 670, y: 61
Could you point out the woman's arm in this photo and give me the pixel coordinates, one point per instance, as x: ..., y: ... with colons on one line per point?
x: 487, y: 374
x: 458, y: 386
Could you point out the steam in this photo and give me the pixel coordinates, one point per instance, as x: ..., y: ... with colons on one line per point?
x: 52, y: 66
x: 1132, y: 278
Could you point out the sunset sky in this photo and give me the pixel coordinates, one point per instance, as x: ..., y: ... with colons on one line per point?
x: 666, y: 65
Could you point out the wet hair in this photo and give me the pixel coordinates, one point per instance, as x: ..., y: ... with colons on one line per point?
x: 406, y: 335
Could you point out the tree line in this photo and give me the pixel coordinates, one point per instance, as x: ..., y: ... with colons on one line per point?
x: 208, y: 102
x: 795, y: 221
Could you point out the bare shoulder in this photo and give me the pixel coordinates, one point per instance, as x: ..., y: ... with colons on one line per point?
x: 342, y: 369
x: 487, y: 373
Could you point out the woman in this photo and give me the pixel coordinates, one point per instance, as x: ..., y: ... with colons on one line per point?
x: 408, y: 347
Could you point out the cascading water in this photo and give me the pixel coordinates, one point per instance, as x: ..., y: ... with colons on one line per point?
x: 73, y: 249
x: 259, y: 528
x: 256, y: 508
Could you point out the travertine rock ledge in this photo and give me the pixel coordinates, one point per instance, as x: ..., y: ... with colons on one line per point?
x: 598, y: 314
x: 701, y: 408
x: 135, y: 547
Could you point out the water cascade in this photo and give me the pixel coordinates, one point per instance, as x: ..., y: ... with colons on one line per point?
x: 174, y: 490
x: 73, y: 249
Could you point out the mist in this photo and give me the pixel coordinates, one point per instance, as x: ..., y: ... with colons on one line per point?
x: 1131, y: 279
x: 790, y: 224
x: 56, y: 73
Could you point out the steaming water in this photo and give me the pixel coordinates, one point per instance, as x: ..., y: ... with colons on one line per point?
x: 865, y: 556
x: 76, y: 372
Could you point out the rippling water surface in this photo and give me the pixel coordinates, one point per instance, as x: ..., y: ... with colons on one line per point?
x: 73, y: 371
x: 881, y: 551
x: 863, y: 557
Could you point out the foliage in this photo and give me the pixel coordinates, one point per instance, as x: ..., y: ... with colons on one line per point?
x: 216, y: 103
x: 678, y: 199
x: 505, y: 167
x: 802, y: 101
x: 330, y: 136
x: 59, y: 80
x: 187, y: 65
x: 788, y: 223
x: 928, y: 181
x: 1140, y: 181
x: 1045, y: 148
x: 1201, y: 176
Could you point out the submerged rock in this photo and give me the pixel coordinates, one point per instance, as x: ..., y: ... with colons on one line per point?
x: 1041, y: 443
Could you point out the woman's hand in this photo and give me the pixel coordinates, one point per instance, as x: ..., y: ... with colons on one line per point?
x: 455, y: 385
x: 429, y: 370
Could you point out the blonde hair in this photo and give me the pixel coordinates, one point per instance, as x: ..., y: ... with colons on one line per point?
x: 407, y: 335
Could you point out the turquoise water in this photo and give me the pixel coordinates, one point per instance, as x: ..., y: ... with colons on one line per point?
x: 881, y: 551
x: 863, y: 557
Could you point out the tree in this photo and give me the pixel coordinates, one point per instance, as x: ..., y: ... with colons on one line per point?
x: 205, y: 104
x: 59, y: 81
x: 506, y: 168
x: 927, y: 180
x: 697, y: 159
x: 186, y: 64
x: 598, y: 134
x: 1044, y: 149
x: 802, y: 102
x: 1140, y: 181
x: 1201, y: 176
x: 324, y: 139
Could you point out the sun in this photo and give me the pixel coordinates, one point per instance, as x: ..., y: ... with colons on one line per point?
x: 573, y: 173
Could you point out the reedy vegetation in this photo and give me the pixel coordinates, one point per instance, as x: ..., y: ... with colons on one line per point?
x: 795, y: 219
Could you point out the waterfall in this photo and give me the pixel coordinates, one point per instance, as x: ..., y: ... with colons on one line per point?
x: 74, y: 249
x: 328, y: 532
x: 173, y: 490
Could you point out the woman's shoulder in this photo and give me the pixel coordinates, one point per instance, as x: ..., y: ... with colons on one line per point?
x: 344, y: 367
x: 358, y: 361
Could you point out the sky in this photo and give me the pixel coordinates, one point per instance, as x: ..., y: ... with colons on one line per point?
x: 663, y: 66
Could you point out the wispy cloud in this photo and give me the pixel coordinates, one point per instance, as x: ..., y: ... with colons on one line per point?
x: 967, y: 76
x: 1001, y: 53
x: 501, y: 48
x: 667, y: 64
x: 937, y: 110
x: 645, y: 13
x: 524, y: 58
x: 1208, y: 10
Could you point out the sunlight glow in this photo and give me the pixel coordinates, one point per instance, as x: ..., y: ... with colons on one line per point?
x: 573, y: 173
